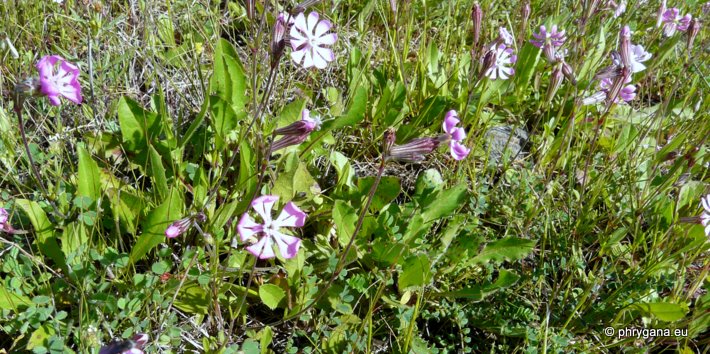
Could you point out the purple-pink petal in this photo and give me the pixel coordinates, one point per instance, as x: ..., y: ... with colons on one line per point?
x: 458, y: 151
x: 451, y: 119
x: 248, y: 228
x: 288, y: 245
x: 172, y: 231
x: 263, y: 206
x: 458, y: 134
x: 291, y: 216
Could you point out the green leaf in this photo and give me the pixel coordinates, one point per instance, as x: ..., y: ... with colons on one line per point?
x: 89, y: 178
x: 155, y: 224
x: 345, y: 218
x: 46, y: 239
x: 74, y: 236
x: 294, y: 180
x: 527, y: 62
x: 193, y: 299
x: 505, y: 279
x: 12, y: 301
x: 346, y: 173
x: 40, y: 337
x: 594, y: 58
x: 224, y: 119
x: 291, y: 113
x: 228, y: 80
x: 387, y: 190
x: 157, y: 173
x: 138, y: 126
x: 416, y: 271
x: 267, y: 335
x: 271, y: 295
x: 506, y: 249
x: 355, y: 113
x: 444, y: 203
x: 664, y: 311
x: 428, y: 182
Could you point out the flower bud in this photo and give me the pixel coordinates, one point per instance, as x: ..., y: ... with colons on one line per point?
x: 617, y: 85
x: 389, y: 139
x: 661, y: 11
x: 304, y: 126
x: 569, y: 73
x: 625, y: 46
x: 693, y: 30
x: 277, y: 42
x: 477, y: 18
x: 250, y: 8
x: 413, y: 151
x: 525, y: 11
x: 489, y: 60
x: 178, y: 227
x: 555, y: 81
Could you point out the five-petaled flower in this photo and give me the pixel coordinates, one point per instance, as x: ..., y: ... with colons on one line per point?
x: 455, y: 135
x: 549, y: 41
x: 672, y: 21
x: 269, y: 229
x: 59, y: 80
x: 498, y: 62
x: 705, y: 216
x: 626, y: 93
x: 309, y: 38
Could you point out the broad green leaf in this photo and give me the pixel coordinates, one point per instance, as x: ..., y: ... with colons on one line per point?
x: 157, y: 173
x: 193, y: 299
x: 138, y: 125
x: 690, y: 194
x: 224, y: 119
x: 155, y: 224
x: 387, y: 190
x: 271, y: 295
x: 294, y: 180
x: 228, y: 80
x: 74, y: 236
x: 89, y: 177
x: 664, y: 311
x: 355, y: 112
x: 291, y: 113
x: 40, y: 337
x: 525, y: 68
x: 428, y: 182
x: 46, y: 239
x: 506, y: 249
x: 345, y: 218
x: 12, y: 301
x: 416, y: 271
x: 444, y: 203
x: 126, y: 206
x: 267, y: 335
x: 346, y: 173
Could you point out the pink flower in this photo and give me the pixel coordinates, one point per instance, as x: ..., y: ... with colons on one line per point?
x: 291, y: 216
x: 458, y: 151
x: 626, y: 93
x: 454, y: 135
x: 505, y: 36
x: 544, y: 38
x: 64, y: 82
x: 4, y: 225
x: 178, y: 227
x: 673, y: 21
x: 309, y: 39
x: 549, y: 42
x: 296, y: 132
x: 705, y: 216
x: 661, y: 11
x: 638, y: 56
x: 129, y: 346
x: 499, y: 61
